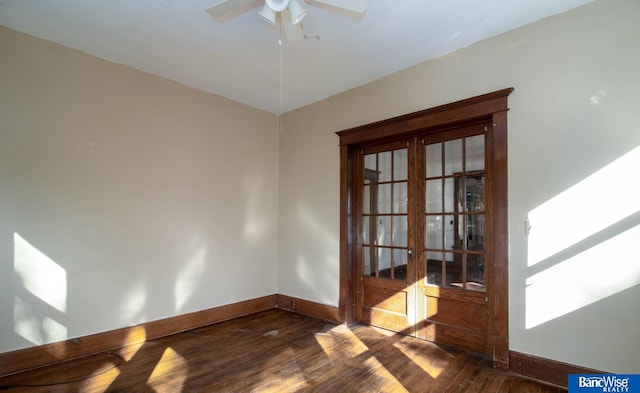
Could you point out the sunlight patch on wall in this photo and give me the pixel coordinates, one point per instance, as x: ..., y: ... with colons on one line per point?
x: 583, y: 279
x: 133, y: 304
x: 39, y: 274
x: 189, y: 278
x: 602, y: 199
x: 170, y: 373
x: 303, y: 271
x: 257, y: 221
x: 45, y: 280
x: 320, y: 233
x: 33, y: 326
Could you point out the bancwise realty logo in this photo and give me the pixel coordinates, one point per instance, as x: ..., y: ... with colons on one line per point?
x: 604, y: 383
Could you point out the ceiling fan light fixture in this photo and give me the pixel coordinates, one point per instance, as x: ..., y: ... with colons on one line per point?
x: 296, y: 11
x: 268, y: 14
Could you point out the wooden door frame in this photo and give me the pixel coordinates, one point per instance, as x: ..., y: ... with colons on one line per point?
x: 487, y: 107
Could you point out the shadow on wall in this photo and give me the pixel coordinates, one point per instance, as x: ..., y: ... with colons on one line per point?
x: 582, y: 245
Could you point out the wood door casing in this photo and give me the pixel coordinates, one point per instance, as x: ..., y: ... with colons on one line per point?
x: 491, y: 107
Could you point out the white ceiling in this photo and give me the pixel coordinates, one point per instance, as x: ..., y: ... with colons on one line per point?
x: 240, y: 58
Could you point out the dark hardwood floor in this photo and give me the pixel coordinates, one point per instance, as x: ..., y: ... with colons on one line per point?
x: 276, y: 351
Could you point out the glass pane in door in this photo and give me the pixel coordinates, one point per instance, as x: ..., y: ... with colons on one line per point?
x: 474, y: 153
x: 453, y: 157
x: 433, y: 160
x: 475, y: 272
x: 400, y: 265
x: 454, y: 263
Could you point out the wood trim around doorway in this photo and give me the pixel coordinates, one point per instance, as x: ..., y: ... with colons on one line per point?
x: 487, y: 107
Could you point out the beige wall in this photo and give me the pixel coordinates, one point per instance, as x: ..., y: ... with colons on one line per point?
x: 573, y: 128
x: 125, y: 197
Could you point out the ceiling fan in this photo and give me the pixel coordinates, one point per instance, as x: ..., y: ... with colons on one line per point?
x: 288, y: 12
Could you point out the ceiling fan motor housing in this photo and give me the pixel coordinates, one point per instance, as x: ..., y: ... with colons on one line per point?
x: 277, y: 5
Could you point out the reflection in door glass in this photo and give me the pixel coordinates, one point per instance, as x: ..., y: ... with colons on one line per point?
x: 433, y: 232
x: 400, y: 231
x: 449, y: 195
x: 370, y: 164
x: 384, y: 231
x: 454, y: 270
x: 368, y: 260
x: 434, y: 268
x: 475, y: 194
x: 384, y: 166
x: 384, y: 199
x: 475, y: 232
x: 453, y: 157
x: 384, y: 262
x: 366, y: 199
x: 400, y: 264
x: 475, y: 272
x: 400, y: 197
x: 474, y: 151
x: 449, y: 227
x: 400, y: 164
x: 433, y: 159
x: 433, y: 196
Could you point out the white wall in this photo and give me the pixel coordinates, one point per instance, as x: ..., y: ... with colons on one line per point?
x: 574, y: 293
x: 125, y: 197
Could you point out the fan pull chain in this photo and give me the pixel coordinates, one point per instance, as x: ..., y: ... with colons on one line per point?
x: 281, y: 82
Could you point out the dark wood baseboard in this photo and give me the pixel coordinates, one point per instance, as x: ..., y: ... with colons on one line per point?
x: 309, y: 308
x: 545, y: 370
x: 34, y: 357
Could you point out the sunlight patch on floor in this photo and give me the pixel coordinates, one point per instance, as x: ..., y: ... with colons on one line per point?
x: 418, y: 357
x: 377, y: 367
x: 345, y: 344
x: 170, y: 373
x: 104, y: 377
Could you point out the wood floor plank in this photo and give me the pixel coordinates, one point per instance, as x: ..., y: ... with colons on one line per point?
x: 276, y: 351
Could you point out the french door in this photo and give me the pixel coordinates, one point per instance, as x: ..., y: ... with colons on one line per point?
x: 423, y: 236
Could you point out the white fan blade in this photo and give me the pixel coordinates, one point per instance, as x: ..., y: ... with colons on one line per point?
x: 227, y: 9
x: 358, y: 6
x: 293, y: 33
